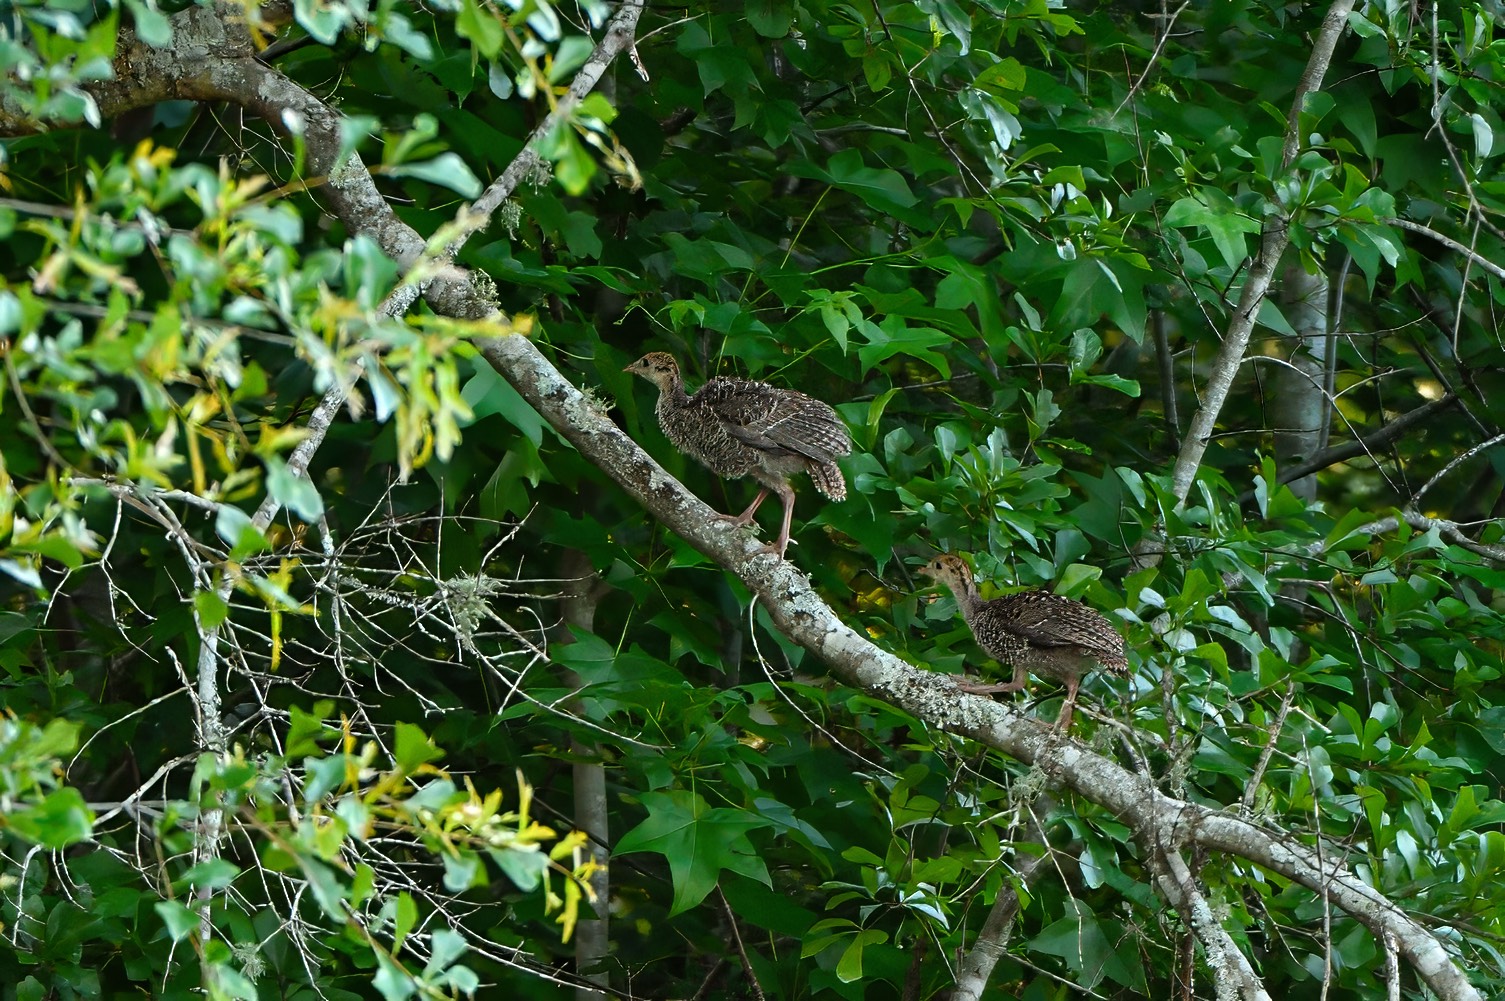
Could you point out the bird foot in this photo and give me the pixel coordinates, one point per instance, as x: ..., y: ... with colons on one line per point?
x: 980, y: 688
x: 735, y: 520
x: 775, y: 548
x: 741, y: 521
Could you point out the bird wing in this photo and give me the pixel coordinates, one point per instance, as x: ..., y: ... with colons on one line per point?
x: 776, y: 420
x: 1046, y: 619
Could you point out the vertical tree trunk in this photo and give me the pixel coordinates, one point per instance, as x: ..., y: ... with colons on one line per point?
x: 582, y: 591
x: 1300, y: 400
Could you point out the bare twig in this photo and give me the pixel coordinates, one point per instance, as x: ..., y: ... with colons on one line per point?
x: 731, y: 918
x: 1447, y: 241
x: 1246, y: 805
x: 1167, y: 367
x: 1365, y: 445
x: 476, y: 216
x: 1165, y: 34
x: 1457, y: 461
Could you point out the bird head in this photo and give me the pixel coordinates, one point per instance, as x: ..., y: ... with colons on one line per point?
x: 657, y: 367
x: 949, y: 569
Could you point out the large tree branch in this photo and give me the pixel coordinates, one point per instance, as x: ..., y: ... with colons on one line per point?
x: 801, y: 615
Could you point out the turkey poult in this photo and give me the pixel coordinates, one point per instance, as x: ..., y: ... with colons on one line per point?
x: 1039, y: 631
x: 737, y: 427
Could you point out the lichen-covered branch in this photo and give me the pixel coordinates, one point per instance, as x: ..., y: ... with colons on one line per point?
x: 798, y: 612
x: 1231, y: 969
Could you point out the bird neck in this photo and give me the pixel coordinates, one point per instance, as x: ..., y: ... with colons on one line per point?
x: 967, y: 597
x: 672, y: 391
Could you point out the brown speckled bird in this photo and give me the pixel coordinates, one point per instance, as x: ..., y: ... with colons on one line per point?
x: 1038, y: 631
x: 737, y: 427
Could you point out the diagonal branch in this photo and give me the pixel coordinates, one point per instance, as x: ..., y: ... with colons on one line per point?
x: 1365, y: 445
x: 801, y: 615
x: 976, y: 967
x: 1231, y: 969
x: 620, y: 31
x: 1450, y: 243
x: 1261, y: 271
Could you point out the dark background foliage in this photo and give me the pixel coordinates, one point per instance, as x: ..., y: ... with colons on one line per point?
x: 1005, y: 239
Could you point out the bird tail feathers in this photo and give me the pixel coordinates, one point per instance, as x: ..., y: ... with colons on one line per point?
x: 828, y: 479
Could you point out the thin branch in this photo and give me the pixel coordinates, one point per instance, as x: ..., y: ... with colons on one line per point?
x: 1246, y: 806
x: 1167, y: 367
x: 1453, y: 532
x: 1165, y: 34
x: 1365, y: 445
x: 1447, y: 241
x: 752, y: 976
x: 1457, y: 461
x: 976, y: 967
x: 1261, y: 272
x: 620, y: 31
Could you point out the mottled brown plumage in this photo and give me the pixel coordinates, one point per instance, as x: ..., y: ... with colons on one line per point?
x: 737, y: 427
x: 1038, y: 631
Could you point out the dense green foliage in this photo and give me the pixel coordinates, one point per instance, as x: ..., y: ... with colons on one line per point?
x: 1003, y: 238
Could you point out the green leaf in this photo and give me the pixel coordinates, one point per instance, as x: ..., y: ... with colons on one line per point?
x: 849, y: 968
x: 414, y: 750
x: 480, y: 24
x: 462, y: 871
x: 394, y: 983
x: 180, y: 921
x: 61, y: 819
x: 1215, y: 214
x: 881, y: 188
x: 698, y: 841
x: 526, y: 869
x: 212, y: 609
x: 296, y: 493
x: 234, y: 526
x: 1076, y: 577
x: 1484, y: 136
x: 406, y: 918
x: 1085, y: 945
x: 446, y: 169
x: 211, y: 874
x: 769, y: 18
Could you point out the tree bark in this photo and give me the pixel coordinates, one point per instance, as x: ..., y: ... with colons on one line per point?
x: 1300, y: 396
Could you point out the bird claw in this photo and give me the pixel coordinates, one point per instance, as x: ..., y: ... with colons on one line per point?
x: 980, y: 688
x: 735, y: 519
x: 774, y: 549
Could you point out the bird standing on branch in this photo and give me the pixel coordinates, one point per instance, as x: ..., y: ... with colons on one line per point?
x: 737, y: 427
x: 1038, y: 631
